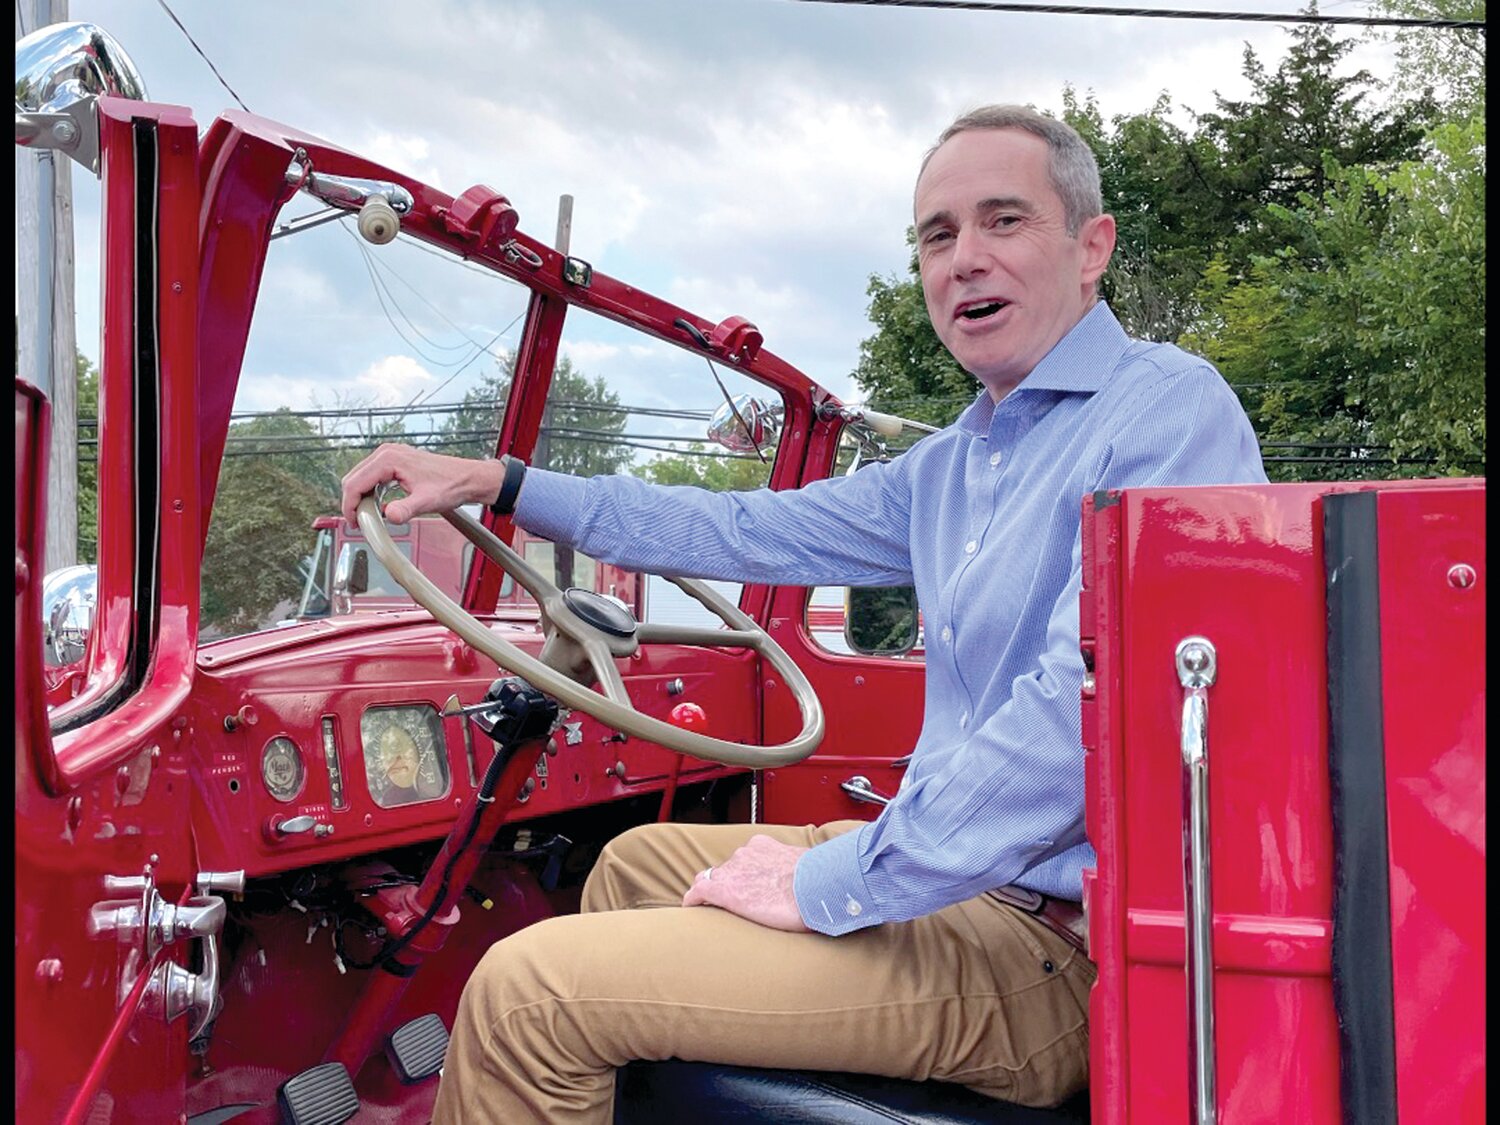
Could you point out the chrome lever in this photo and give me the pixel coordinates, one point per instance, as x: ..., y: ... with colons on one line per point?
x: 174, y: 991
x: 208, y: 882
x: 1197, y: 668
x: 861, y: 790
x: 197, y: 918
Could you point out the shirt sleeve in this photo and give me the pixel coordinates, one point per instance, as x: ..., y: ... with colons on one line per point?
x: 846, y: 530
x: 1012, y: 796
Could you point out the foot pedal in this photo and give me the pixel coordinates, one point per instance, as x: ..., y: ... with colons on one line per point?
x: 416, y: 1048
x: 323, y: 1095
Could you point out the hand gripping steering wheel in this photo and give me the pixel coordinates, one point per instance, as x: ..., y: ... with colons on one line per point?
x: 585, y: 633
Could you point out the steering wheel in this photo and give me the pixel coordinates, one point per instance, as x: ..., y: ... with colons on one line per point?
x: 585, y: 633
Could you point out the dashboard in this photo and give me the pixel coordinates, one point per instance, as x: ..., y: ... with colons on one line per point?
x: 333, y: 738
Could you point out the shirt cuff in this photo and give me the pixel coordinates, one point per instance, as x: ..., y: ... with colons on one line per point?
x: 552, y: 504
x: 829, y: 885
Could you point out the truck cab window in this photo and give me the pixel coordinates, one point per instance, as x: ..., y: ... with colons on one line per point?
x: 622, y: 404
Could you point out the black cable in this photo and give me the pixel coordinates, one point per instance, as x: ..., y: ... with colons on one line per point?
x: 1164, y: 13
x: 205, y: 58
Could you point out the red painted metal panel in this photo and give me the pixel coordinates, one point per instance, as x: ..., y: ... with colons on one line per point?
x: 112, y: 798
x: 297, y: 675
x: 1244, y: 567
x: 1432, y: 668
x: 109, y: 640
x: 874, y: 709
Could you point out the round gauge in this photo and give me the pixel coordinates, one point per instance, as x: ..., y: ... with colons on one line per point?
x: 405, y: 761
x: 281, y: 769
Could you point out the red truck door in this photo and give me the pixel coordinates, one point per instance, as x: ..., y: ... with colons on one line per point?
x: 114, y: 943
x: 1319, y: 650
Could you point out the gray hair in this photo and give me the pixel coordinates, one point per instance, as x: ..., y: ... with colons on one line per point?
x: 1071, y: 166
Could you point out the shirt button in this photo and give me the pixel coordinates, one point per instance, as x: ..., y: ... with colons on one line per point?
x: 963, y: 720
x: 853, y: 908
x: 996, y: 458
x: 970, y: 547
x: 947, y: 633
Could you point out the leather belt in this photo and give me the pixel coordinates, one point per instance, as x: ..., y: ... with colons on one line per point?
x: 1062, y: 916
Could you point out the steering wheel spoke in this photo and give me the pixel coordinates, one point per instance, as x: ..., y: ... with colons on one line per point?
x: 704, y: 636
x: 610, y: 681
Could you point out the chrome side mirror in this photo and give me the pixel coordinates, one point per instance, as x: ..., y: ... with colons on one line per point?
x: 350, y: 577
x: 68, y: 597
x: 61, y: 71
x: 746, y: 424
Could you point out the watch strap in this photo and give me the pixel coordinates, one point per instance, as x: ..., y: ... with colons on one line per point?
x: 510, y: 486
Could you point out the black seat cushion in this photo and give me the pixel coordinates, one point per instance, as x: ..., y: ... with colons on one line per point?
x: 649, y: 1093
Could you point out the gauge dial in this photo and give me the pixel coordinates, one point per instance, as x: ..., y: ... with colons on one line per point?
x: 281, y: 769
x: 405, y: 757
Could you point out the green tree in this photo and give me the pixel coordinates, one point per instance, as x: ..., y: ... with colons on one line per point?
x: 278, y: 474
x: 1449, y: 61
x: 727, y: 473
x: 87, y: 414
x: 1369, y: 327
x: 1161, y: 203
x: 473, y: 429
x: 1299, y: 125
x: 582, y: 426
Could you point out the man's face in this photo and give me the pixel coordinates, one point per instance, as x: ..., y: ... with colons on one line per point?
x: 1004, y: 280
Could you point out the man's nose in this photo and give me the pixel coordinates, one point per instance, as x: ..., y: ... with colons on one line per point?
x: 970, y: 253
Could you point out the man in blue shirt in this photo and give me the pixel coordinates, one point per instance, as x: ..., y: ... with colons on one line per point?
x: 939, y: 940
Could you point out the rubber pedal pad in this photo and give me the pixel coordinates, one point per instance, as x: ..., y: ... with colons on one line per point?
x: 321, y: 1095
x: 417, y: 1047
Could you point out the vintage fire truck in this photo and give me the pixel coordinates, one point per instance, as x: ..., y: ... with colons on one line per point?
x: 345, y: 576
x: 253, y: 875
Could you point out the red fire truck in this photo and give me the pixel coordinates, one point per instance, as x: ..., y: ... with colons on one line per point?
x: 218, y: 845
x: 345, y: 576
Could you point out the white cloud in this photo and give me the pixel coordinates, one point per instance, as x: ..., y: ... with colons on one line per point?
x: 393, y: 381
x: 586, y: 353
x: 739, y: 157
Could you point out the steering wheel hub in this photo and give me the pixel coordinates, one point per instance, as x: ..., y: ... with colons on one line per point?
x: 603, y: 614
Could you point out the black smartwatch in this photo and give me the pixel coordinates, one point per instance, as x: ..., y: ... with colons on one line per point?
x: 510, y: 486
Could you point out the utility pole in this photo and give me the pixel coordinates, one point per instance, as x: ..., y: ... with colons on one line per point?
x: 46, y: 345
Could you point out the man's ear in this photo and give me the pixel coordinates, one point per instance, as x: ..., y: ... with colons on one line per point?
x: 1097, y: 237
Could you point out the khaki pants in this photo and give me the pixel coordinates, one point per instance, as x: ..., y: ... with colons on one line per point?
x: 979, y: 993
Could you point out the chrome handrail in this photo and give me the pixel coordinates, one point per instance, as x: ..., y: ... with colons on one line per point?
x: 1197, y: 668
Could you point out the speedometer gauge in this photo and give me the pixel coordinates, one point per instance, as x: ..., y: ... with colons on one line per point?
x: 405, y: 756
x: 281, y: 769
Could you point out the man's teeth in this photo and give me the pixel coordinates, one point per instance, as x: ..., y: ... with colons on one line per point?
x: 980, y: 311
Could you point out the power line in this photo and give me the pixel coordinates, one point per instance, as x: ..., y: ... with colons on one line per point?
x: 1164, y: 13
x: 375, y: 260
x: 452, y: 408
x: 205, y: 58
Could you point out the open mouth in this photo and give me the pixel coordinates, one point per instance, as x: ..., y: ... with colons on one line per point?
x: 980, y: 311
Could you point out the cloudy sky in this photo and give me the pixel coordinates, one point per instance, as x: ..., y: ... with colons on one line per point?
x: 750, y: 157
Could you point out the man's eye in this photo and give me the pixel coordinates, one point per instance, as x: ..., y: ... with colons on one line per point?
x: 1004, y: 222
x: 937, y: 236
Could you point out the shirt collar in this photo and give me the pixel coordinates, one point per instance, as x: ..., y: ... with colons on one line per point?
x: 1082, y: 361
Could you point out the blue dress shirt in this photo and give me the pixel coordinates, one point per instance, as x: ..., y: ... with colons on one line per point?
x: 983, y: 518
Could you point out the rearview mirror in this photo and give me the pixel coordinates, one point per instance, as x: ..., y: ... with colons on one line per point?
x: 67, y: 614
x: 881, y: 620
x: 745, y: 425
x: 350, y: 577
